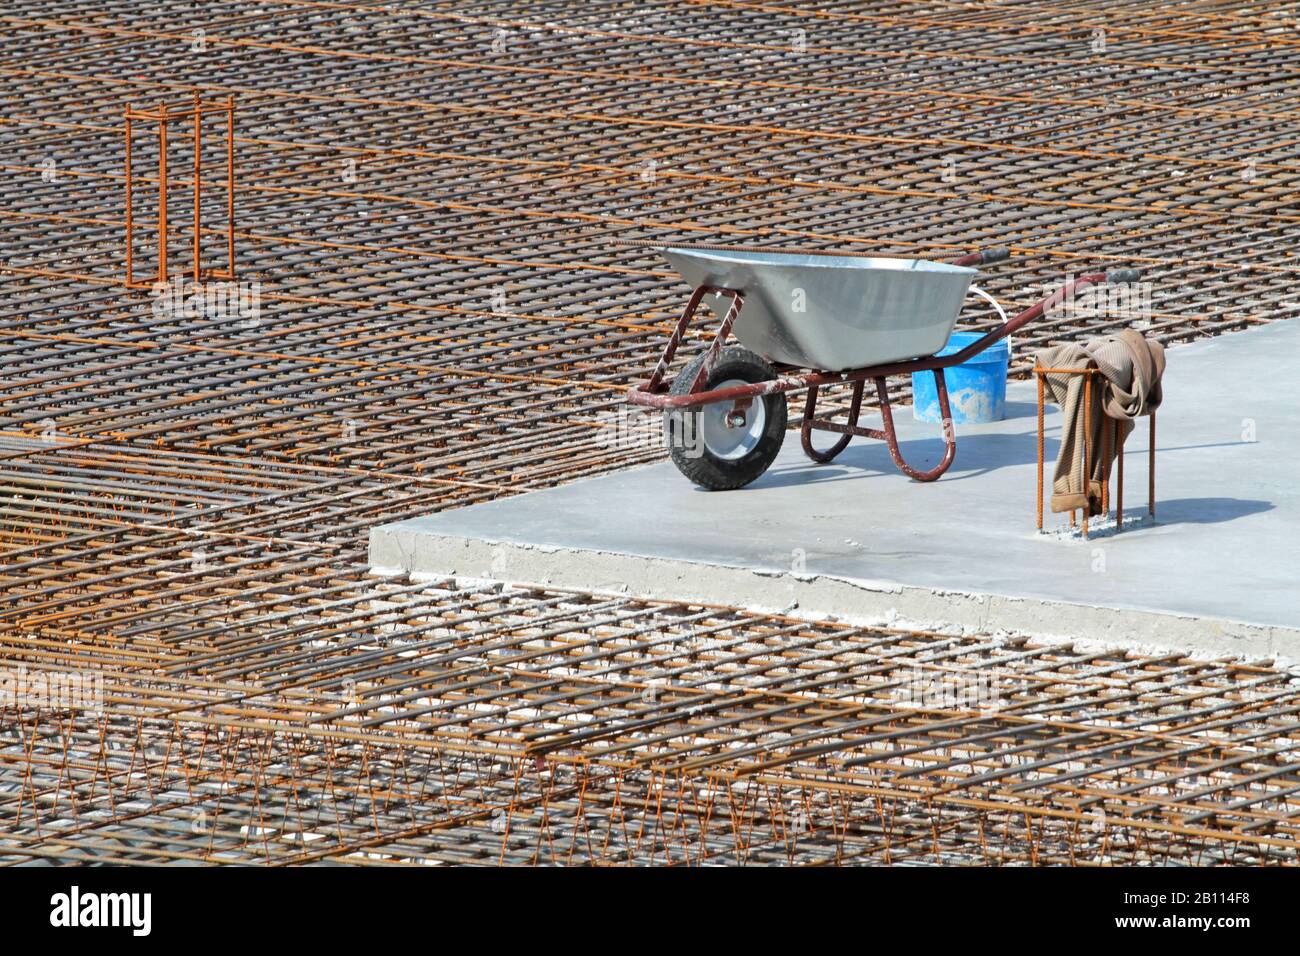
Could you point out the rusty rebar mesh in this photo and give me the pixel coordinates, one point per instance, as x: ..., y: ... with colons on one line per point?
x: 435, y: 204
x: 459, y: 722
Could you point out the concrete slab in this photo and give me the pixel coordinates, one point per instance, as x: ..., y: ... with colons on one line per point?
x: 1216, y: 572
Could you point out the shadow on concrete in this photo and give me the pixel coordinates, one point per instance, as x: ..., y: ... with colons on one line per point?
x: 1172, y: 512
x: 868, y: 457
x: 1164, y: 448
x: 1205, y: 510
x: 1024, y: 410
x: 981, y: 454
x: 978, y: 454
x: 1010, y: 410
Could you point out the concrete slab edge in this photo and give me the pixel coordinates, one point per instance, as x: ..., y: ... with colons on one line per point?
x: 395, y: 550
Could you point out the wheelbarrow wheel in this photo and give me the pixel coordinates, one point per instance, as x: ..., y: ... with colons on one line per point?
x: 714, y: 446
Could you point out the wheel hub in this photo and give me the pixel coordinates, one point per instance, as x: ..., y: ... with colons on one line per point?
x: 730, y: 433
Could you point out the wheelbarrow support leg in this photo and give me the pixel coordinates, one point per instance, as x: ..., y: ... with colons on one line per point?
x: 949, y: 435
x: 810, y: 422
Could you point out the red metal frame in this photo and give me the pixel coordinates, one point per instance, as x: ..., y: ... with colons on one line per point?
x: 654, y: 392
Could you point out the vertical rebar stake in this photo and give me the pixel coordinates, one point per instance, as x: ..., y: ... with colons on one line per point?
x: 198, y: 222
x: 1151, y: 470
x: 1040, y: 450
x: 130, y: 276
x: 162, y: 193
x: 1087, y: 456
x: 230, y: 186
x: 1119, y: 489
x: 1106, y: 458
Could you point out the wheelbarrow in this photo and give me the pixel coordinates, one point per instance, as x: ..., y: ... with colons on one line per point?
x: 805, y: 321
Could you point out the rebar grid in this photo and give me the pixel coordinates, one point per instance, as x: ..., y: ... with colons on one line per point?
x: 451, y: 721
x: 440, y: 206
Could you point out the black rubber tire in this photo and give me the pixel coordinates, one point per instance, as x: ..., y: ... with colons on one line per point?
x: 704, y: 468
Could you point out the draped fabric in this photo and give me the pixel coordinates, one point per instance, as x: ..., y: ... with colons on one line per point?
x: 1129, y: 386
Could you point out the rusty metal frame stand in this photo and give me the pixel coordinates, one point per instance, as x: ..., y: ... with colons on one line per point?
x: 164, y: 114
x: 1110, y: 438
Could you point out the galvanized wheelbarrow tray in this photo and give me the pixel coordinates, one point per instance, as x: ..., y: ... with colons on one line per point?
x: 804, y: 321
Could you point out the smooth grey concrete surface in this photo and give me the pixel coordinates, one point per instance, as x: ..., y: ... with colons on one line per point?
x: 1218, y: 572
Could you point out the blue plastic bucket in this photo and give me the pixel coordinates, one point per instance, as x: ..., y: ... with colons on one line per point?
x: 977, y: 389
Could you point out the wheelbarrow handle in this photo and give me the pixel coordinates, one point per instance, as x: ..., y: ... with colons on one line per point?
x: 984, y: 257
x: 1035, y: 311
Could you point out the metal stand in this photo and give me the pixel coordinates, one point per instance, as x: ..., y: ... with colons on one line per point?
x: 811, y: 422
x: 1108, y: 436
x: 164, y: 115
